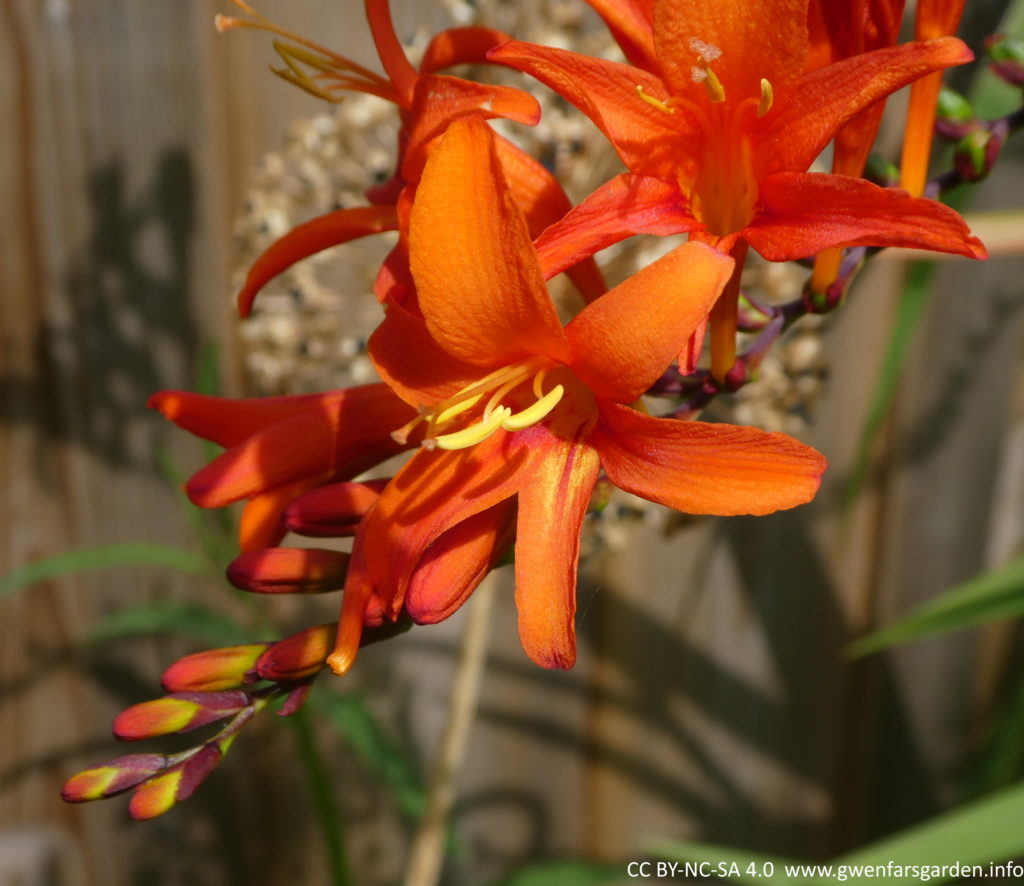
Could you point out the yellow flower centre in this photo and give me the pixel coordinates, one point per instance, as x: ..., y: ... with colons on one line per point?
x: 506, y: 383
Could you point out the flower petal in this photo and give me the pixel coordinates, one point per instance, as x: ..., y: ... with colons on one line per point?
x: 457, y: 562
x: 803, y: 213
x: 823, y: 100
x: 650, y: 141
x: 339, y: 437
x: 757, y: 39
x: 552, y: 503
x: 625, y: 206
x: 701, y: 468
x: 431, y: 494
x: 440, y: 99
x: 316, y: 235
x: 476, y: 272
x: 625, y: 340
x: 630, y: 24
x: 460, y: 46
x: 539, y: 194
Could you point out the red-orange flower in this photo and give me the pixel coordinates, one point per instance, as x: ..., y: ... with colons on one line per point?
x: 427, y: 102
x: 521, y: 414
x: 719, y: 140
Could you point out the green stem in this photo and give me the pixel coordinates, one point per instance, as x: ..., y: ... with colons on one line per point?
x: 327, y: 812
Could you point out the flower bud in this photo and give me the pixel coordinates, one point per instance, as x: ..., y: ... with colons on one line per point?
x: 156, y: 796
x: 112, y: 777
x: 180, y: 712
x: 1006, y: 58
x: 214, y: 670
x: 332, y: 511
x: 954, y: 117
x: 298, y: 656
x: 976, y: 154
x: 289, y: 571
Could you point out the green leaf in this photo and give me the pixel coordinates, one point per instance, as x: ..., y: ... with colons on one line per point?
x: 987, y: 830
x: 183, y: 619
x: 103, y: 557
x: 995, y: 595
x: 348, y: 713
x: 566, y: 873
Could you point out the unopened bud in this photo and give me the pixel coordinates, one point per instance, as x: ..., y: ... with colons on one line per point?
x: 332, y: 511
x: 289, y: 571
x: 112, y: 777
x: 1006, y: 58
x: 214, y: 670
x: 976, y: 154
x: 298, y: 656
x: 954, y: 117
x: 180, y: 712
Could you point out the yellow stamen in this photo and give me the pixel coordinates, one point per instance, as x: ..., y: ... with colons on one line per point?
x: 767, y: 97
x: 716, y: 91
x: 665, y: 107
x: 534, y: 413
x: 473, y: 434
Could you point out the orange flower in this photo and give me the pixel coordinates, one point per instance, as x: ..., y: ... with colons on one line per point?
x: 717, y: 143
x: 427, y: 103
x: 520, y: 414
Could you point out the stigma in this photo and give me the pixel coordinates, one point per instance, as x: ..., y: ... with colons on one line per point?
x: 497, y: 387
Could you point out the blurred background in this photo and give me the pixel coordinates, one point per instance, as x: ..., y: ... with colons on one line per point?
x: 144, y: 160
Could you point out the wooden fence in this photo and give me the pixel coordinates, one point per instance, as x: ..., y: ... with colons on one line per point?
x: 712, y: 698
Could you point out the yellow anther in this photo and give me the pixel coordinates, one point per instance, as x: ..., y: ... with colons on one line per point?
x: 664, y: 107
x: 457, y: 409
x: 767, y: 97
x: 473, y: 434
x: 535, y: 412
x: 716, y: 91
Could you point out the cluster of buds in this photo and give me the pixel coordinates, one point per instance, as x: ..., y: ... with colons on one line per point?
x: 516, y: 423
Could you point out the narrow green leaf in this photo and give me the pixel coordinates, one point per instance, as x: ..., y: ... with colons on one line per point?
x: 566, y: 873
x: 348, y: 713
x: 103, y: 557
x: 986, y: 830
x: 183, y: 619
x: 995, y: 595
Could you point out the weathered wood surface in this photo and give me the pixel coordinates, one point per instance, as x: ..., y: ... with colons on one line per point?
x: 711, y: 698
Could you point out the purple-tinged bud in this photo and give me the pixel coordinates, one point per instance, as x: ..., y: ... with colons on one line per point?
x: 112, y: 777
x: 214, y: 670
x: 180, y: 712
x: 1006, y: 58
x: 156, y: 796
x: 289, y: 571
x: 954, y: 117
x: 332, y: 511
x: 976, y: 154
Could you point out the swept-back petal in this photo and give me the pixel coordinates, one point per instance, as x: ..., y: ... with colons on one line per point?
x: 552, y: 503
x: 440, y: 99
x: 460, y: 46
x: 702, y: 468
x: 620, y: 208
x: 803, y: 213
x: 756, y: 38
x: 228, y: 421
x: 316, y: 235
x: 431, y: 494
x: 625, y: 340
x: 479, y: 286
x: 823, y: 100
x: 332, y: 440
x: 650, y: 140
x: 457, y: 562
